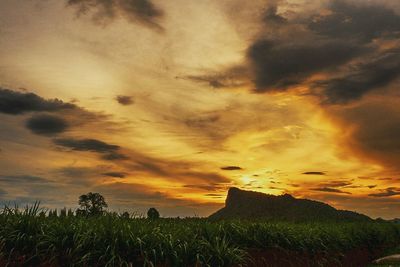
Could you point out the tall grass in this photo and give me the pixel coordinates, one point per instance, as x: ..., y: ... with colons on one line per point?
x: 29, y: 238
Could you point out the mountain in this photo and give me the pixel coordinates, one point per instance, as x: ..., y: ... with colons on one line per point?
x: 242, y: 204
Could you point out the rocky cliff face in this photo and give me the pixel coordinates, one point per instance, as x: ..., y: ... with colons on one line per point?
x: 252, y: 205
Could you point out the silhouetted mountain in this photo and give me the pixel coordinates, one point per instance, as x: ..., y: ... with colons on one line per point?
x: 242, y: 204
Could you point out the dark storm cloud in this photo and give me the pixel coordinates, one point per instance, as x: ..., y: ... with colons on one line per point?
x: 44, y: 124
x: 372, y: 75
x: 388, y: 192
x: 115, y: 174
x: 278, y: 65
x: 140, y: 11
x: 15, y: 103
x: 289, y: 52
x: 92, y: 145
x: 231, y: 168
x: 358, y: 22
x: 314, y: 173
x: 330, y: 190
x: 124, y: 100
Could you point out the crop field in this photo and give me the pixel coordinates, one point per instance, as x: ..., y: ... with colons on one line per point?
x: 28, y: 238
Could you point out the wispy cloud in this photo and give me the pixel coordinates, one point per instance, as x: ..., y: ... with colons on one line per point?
x: 143, y: 12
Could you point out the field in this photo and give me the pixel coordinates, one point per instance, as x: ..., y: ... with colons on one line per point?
x: 28, y: 238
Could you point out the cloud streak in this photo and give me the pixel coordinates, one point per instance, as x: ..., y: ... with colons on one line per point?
x: 16, y: 103
x: 143, y: 12
x: 330, y: 190
x: 388, y: 192
x: 91, y: 145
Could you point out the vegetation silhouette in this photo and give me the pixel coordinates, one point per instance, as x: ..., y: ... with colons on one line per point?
x: 40, y: 237
x: 91, y: 204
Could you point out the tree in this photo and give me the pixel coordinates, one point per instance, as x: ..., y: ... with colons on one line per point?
x: 92, y: 204
x: 153, y: 214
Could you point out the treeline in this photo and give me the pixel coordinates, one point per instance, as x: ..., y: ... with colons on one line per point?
x: 90, y: 205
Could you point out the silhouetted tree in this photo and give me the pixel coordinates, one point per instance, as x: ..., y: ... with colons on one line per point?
x: 92, y: 204
x: 153, y: 214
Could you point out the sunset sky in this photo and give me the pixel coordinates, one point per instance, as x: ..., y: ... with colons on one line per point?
x: 167, y: 104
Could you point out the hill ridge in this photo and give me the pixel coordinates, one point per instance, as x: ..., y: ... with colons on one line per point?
x: 241, y: 204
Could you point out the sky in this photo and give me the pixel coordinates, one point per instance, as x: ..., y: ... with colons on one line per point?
x: 168, y: 104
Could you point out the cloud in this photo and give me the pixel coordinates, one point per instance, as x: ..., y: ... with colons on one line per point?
x: 279, y: 65
x: 337, y: 52
x: 57, y: 115
x: 77, y: 172
x: 375, y: 129
x: 314, y: 173
x: 114, y: 156
x: 202, y: 120
x: 330, y: 190
x: 44, y: 124
x: 343, y: 53
x: 231, y: 168
x: 91, y: 145
x: 336, y: 184
x: 351, y: 21
x: 209, y: 187
x: 124, y: 100
x: 272, y: 18
x: 204, y: 176
x: 86, y: 175
x: 232, y: 77
x: 15, y: 103
x: 108, y: 151
x: 14, y: 179
x: 139, y: 162
x: 362, y: 78
x: 388, y: 192
x: 143, y: 12
x: 115, y: 174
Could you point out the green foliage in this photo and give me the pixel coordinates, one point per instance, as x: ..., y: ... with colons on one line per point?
x: 92, y: 204
x: 28, y: 238
x: 153, y: 214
